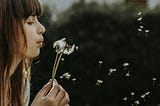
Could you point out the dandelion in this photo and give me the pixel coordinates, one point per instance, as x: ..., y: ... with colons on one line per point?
x: 61, y: 47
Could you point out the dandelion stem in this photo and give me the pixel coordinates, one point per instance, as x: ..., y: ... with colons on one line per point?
x: 56, y: 65
x: 55, y: 62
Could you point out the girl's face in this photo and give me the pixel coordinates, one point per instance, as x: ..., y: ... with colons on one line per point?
x: 33, y: 30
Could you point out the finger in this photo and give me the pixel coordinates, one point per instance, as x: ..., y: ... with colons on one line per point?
x: 60, y: 95
x: 45, y: 89
x: 54, y: 90
x: 65, y: 100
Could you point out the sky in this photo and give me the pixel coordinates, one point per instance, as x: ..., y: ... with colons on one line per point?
x: 61, y: 5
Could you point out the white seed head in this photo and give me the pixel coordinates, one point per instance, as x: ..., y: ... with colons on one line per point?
x: 60, y: 45
x: 69, y: 49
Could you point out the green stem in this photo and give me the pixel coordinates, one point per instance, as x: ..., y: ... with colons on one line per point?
x: 55, y: 70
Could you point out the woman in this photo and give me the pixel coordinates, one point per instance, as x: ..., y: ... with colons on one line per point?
x: 20, y: 40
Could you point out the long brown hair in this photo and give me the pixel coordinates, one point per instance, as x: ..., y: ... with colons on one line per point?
x: 11, y: 14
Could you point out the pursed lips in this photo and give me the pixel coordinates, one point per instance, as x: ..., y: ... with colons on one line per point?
x: 40, y: 43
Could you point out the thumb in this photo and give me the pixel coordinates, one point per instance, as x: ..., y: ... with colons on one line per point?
x: 46, y: 88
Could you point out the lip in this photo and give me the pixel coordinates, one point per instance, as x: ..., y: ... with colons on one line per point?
x: 40, y: 43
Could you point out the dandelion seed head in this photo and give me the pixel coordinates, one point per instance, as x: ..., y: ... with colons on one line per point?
x: 69, y: 49
x: 59, y: 45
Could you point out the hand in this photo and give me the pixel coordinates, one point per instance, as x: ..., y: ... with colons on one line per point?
x: 52, y: 94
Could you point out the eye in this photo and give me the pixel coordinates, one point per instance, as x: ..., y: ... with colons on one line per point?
x: 30, y: 23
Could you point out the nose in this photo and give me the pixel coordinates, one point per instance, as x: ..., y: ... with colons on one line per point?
x: 41, y: 28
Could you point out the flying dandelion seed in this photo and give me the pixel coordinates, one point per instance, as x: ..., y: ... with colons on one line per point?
x: 125, y: 64
x: 143, y: 96
x: 61, y: 77
x: 141, y: 26
x: 125, y: 98
x: 65, y: 74
x: 68, y: 76
x: 139, y: 19
x: 74, y: 79
x: 147, y: 93
x: 139, y: 13
x: 128, y: 74
x: 154, y: 81
x: 76, y: 47
x: 62, y: 59
x: 132, y: 93
x: 137, y: 102
x: 99, y: 82
x: 139, y: 30
x: 146, y: 31
x: 111, y: 70
x: 100, y: 64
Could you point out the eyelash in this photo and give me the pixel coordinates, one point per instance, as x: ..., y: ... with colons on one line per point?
x: 30, y: 23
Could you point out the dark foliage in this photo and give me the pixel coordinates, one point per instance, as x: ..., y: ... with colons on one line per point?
x: 110, y: 35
